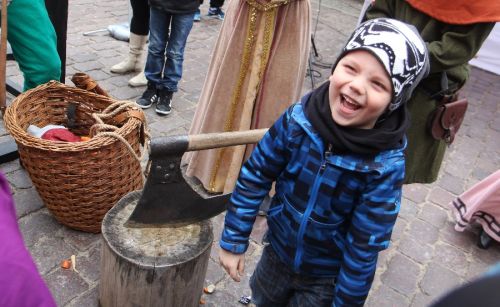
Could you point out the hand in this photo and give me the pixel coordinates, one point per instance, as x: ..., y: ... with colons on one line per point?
x: 234, y: 264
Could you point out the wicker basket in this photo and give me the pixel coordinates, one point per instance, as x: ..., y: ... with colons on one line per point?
x: 78, y: 182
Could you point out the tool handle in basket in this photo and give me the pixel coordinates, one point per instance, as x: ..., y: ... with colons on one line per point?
x: 179, y: 144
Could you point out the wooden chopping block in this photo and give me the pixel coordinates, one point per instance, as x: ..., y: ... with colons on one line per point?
x: 151, y: 266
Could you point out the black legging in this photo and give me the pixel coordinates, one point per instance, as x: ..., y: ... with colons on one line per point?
x: 215, y: 3
x: 140, y: 17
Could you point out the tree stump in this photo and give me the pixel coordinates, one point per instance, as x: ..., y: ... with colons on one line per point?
x: 151, y: 266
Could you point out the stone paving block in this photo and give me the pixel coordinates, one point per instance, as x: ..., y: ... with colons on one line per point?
x: 126, y: 93
x: 439, y: 280
x: 402, y: 274
x: 415, y: 192
x: 476, y: 269
x: 259, y: 229
x: 90, y: 298
x: 490, y: 256
x: 37, y: 225
x: 421, y: 300
x: 408, y: 209
x: 98, y: 75
x: 9, y: 167
x: 172, y: 123
x: 451, y: 183
x: 79, y: 239
x: 48, y: 253
x: 19, y: 179
x: 215, y: 273
x: 417, y: 251
x: 423, y: 232
x: 221, y: 298
x: 65, y: 285
x: 463, y: 240
x: 441, y: 197
x: 27, y: 201
x: 434, y: 215
x: 89, y: 264
x: 398, y: 230
x: 452, y: 258
x: 386, y: 297
x: 87, y: 66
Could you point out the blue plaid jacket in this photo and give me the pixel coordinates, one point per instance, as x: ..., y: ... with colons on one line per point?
x: 331, y: 214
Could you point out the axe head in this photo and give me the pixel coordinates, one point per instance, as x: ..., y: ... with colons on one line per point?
x: 170, y: 199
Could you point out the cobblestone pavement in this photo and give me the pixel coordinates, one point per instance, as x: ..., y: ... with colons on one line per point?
x: 427, y: 257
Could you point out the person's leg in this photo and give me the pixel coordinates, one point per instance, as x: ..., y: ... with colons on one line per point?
x: 312, y: 291
x: 216, y: 3
x: 180, y: 27
x: 139, y: 28
x: 140, y: 17
x: 158, y: 36
x: 34, y: 47
x: 179, y: 30
x: 271, y: 282
x: 215, y: 9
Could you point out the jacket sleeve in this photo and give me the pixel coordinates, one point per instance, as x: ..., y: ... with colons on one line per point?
x: 457, y: 46
x: 369, y: 233
x: 263, y: 167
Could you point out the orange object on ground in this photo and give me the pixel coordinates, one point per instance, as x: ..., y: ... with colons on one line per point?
x: 66, y: 264
x: 459, y: 12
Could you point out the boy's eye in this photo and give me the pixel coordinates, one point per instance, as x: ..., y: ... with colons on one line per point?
x: 379, y: 85
x: 349, y: 67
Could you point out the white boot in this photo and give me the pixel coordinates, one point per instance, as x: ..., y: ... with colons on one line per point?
x: 133, y: 60
x: 139, y: 80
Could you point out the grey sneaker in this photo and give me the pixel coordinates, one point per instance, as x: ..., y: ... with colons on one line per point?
x: 149, y: 96
x: 163, y: 107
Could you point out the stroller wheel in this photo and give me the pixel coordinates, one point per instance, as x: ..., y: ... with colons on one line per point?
x: 484, y: 240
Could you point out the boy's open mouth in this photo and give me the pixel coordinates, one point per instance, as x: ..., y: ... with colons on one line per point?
x: 349, y: 103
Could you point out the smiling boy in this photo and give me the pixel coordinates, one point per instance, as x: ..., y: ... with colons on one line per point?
x: 337, y: 160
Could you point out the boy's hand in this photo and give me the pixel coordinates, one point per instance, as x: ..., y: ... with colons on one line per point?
x: 234, y: 264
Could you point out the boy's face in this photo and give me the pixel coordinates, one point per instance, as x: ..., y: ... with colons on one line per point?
x: 360, y: 90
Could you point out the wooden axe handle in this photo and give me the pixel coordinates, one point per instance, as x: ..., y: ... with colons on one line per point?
x: 3, y: 57
x: 223, y: 139
x: 178, y: 145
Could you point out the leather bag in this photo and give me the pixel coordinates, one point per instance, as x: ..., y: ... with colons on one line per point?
x: 446, y: 120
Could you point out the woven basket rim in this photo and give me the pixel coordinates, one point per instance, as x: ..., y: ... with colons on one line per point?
x: 21, y: 136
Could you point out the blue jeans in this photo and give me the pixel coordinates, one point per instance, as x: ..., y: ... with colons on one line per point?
x: 166, y: 50
x: 274, y: 284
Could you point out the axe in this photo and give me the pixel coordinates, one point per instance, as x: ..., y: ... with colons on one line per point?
x: 169, y: 199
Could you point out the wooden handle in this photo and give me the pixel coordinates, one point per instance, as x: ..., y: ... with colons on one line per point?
x: 178, y: 145
x: 3, y: 57
x: 223, y: 139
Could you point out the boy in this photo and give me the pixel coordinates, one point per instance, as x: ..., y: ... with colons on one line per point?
x: 337, y: 159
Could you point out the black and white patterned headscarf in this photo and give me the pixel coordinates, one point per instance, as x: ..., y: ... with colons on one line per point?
x: 400, y: 49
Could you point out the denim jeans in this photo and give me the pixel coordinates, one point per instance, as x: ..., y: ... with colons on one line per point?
x: 166, y: 50
x: 274, y: 284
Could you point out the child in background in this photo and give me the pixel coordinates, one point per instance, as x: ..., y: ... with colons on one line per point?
x: 337, y: 160
x: 170, y: 23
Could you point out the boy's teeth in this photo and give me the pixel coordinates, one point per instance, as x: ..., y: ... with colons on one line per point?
x: 350, y: 102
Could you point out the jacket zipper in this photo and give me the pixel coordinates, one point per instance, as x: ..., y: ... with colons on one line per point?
x: 307, y: 213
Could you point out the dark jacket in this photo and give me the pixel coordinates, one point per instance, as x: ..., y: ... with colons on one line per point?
x: 331, y: 214
x: 176, y: 6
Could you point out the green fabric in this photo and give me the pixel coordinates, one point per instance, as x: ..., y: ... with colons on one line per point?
x: 450, y: 48
x: 33, y: 41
